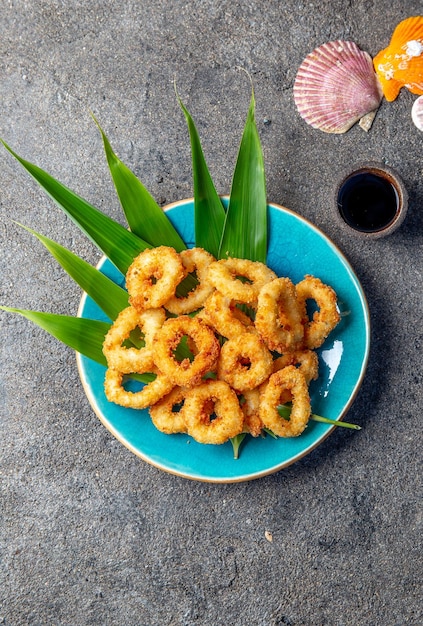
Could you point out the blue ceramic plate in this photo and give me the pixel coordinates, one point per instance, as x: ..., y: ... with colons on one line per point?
x: 296, y: 248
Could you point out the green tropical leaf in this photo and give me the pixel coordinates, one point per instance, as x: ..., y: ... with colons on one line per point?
x: 116, y: 242
x: 83, y: 335
x: 284, y: 411
x: 245, y: 230
x: 209, y: 215
x: 236, y: 443
x: 110, y: 297
x: 145, y: 217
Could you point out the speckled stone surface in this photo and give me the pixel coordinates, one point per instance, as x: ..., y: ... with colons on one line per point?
x: 90, y: 534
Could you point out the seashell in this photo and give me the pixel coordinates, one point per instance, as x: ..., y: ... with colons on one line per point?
x: 336, y: 86
x: 417, y: 113
x: 401, y: 63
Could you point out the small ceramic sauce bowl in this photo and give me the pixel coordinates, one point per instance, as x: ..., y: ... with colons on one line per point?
x: 371, y: 201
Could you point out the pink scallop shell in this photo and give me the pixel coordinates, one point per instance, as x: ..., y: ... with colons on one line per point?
x: 336, y: 86
x: 417, y: 113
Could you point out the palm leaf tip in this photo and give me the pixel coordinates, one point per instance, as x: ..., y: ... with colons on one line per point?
x: 209, y: 213
x: 107, y: 294
x: 116, y: 242
x: 83, y: 335
x: 144, y: 216
x: 245, y: 230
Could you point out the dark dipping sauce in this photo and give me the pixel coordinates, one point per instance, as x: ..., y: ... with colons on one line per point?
x: 368, y: 202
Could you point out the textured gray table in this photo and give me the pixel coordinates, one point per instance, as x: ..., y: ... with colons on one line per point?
x: 90, y: 534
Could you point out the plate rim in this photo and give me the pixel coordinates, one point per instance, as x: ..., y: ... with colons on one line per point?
x: 274, y: 469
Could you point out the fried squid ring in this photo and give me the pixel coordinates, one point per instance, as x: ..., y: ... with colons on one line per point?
x: 306, y: 360
x: 225, y: 276
x: 153, y: 276
x: 198, y: 260
x: 212, y: 412
x: 278, y: 317
x: 251, y: 409
x: 185, y: 373
x: 148, y: 395
x: 223, y: 315
x: 244, y: 362
x: 130, y: 360
x: 290, y: 379
x: 325, y: 319
x: 167, y: 414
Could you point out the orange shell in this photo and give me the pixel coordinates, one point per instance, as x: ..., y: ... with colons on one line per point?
x: 401, y: 63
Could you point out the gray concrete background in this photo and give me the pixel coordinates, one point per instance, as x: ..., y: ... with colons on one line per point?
x: 92, y: 535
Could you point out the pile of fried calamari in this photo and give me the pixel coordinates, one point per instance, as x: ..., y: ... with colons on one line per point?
x: 249, y: 345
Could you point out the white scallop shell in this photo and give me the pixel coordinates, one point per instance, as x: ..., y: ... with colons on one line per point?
x: 336, y: 86
x: 417, y: 113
